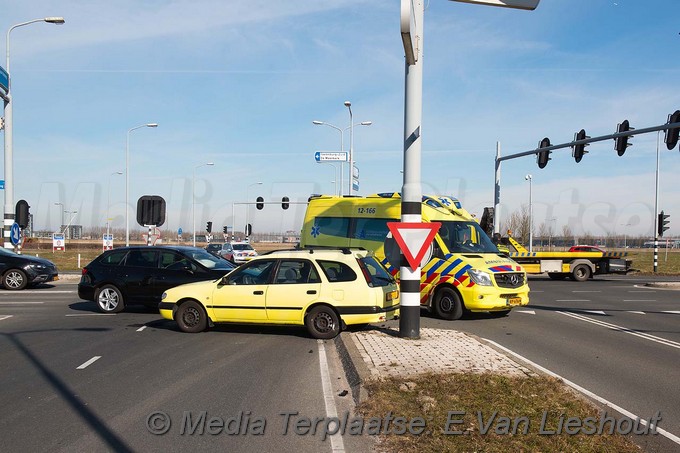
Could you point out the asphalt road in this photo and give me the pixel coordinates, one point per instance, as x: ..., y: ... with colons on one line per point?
x: 75, y: 380
x: 613, y: 336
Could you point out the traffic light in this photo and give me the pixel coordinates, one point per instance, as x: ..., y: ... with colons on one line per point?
x: 208, y: 227
x: 542, y: 157
x: 671, y: 135
x: 21, y: 214
x: 662, y: 223
x: 621, y: 143
x: 579, y: 150
x: 224, y: 229
x: 260, y: 203
x: 285, y: 202
x: 249, y: 230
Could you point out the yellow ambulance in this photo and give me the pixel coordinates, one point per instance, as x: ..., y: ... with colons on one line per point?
x: 465, y: 271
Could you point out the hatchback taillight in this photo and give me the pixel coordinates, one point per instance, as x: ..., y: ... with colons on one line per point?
x: 84, y: 271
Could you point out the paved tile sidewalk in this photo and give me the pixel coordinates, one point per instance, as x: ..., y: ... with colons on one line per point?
x: 385, y: 354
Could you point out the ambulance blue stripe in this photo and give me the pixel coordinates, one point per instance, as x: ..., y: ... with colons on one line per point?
x: 460, y: 273
x: 452, y: 266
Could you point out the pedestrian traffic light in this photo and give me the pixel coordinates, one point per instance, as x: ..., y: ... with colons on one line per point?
x: 579, y: 150
x: 249, y: 229
x: 208, y: 227
x: 542, y: 157
x: 21, y: 214
x: 224, y: 229
x: 662, y: 223
x: 671, y: 135
x: 285, y: 202
x: 621, y: 143
x: 260, y: 203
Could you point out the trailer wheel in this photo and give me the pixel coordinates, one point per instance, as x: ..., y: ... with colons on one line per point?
x: 581, y: 273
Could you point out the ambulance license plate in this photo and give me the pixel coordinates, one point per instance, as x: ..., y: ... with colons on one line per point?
x: 514, y: 301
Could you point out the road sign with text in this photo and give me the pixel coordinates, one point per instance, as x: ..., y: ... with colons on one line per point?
x: 324, y: 156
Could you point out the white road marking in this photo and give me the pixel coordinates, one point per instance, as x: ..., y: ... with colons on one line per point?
x: 577, y: 291
x: 94, y: 314
x: 646, y: 336
x: 572, y: 300
x: 638, y: 312
x: 5, y: 317
x: 639, y: 300
x: 643, y: 291
x: 528, y: 312
x: 588, y: 393
x: 337, y: 444
x: 672, y: 312
x: 596, y: 312
x: 89, y: 362
x: 141, y: 328
x: 2, y: 304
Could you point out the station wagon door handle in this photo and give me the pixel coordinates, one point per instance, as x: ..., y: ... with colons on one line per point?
x: 258, y: 293
x: 311, y: 291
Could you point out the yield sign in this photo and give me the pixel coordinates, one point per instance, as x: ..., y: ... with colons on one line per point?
x: 413, y: 239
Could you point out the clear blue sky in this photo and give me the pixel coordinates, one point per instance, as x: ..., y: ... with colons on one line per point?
x: 238, y: 83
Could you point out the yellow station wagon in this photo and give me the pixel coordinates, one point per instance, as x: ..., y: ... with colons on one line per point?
x: 322, y: 289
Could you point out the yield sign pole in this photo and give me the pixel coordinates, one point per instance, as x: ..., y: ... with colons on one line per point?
x: 412, y: 192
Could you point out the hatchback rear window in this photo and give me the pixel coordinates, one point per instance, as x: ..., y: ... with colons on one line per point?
x: 377, y: 274
x: 113, y: 258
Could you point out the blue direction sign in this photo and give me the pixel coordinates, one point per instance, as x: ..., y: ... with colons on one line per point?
x: 15, y: 234
x: 179, y: 231
x: 2, y: 184
x: 4, y: 79
x: 324, y: 156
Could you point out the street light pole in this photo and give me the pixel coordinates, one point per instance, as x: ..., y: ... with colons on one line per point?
x: 127, y: 179
x: 351, y: 148
x: 108, y: 202
x: 9, y: 163
x: 531, y: 215
x: 342, y: 147
x: 247, y: 207
x: 193, y: 198
x: 61, y: 215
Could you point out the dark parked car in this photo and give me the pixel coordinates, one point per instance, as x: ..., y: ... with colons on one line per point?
x: 20, y: 271
x: 139, y: 275
x: 214, y: 248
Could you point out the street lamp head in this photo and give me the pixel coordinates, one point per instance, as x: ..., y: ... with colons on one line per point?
x: 152, y: 125
x: 317, y: 122
x: 528, y: 177
x: 210, y: 163
x: 54, y: 20
x: 366, y: 123
x: 348, y: 104
x: 259, y: 183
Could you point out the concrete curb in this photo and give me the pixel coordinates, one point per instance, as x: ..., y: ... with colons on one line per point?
x: 356, y: 370
x: 664, y: 285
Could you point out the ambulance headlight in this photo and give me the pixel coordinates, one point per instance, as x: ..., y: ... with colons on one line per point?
x: 480, y: 277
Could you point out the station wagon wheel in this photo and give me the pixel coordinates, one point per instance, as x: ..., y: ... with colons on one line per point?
x: 322, y: 322
x: 109, y: 299
x: 447, y: 304
x: 191, y: 317
x: 14, y: 280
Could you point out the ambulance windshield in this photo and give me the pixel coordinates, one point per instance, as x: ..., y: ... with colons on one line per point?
x: 466, y: 237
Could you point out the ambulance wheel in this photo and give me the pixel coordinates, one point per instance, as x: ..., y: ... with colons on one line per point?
x: 581, y: 273
x: 447, y: 304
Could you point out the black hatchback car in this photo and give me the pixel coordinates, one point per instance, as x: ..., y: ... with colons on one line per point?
x: 20, y: 271
x: 139, y: 275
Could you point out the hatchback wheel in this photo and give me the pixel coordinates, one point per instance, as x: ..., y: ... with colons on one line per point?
x: 322, y: 322
x: 191, y: 317
x: 109, y: 299
x: 14, y: 280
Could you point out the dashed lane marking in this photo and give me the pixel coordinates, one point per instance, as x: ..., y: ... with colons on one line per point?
x: 527, y: 312
x: 5, y: 317
x: 89, y: 362
x: 141, y: 328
